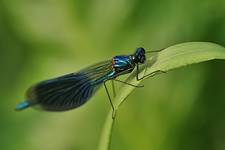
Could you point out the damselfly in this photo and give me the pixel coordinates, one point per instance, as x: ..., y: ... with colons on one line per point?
x: 73, y: 90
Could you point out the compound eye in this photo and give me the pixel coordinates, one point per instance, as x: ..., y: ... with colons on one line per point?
x: 140, y: 51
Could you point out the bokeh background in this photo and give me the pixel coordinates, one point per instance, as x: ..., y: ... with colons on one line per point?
x: 40, y: 39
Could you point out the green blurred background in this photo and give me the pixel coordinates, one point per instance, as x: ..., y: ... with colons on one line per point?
x: 40, y: 39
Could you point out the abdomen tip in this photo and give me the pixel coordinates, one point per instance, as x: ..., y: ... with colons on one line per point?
x: 22, y: 105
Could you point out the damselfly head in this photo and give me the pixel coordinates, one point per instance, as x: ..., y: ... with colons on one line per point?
x: 139, y: 55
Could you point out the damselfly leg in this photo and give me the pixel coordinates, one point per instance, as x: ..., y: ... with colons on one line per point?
x: 136, y: 86
x: 113, y: 88
x: 110, y: 100
x: 151, y: 74
x: 148, y: 75
x: 155, y: 51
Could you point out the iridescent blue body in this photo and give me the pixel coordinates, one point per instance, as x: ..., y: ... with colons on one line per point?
x: 73, y: 90
x: 123, y: 64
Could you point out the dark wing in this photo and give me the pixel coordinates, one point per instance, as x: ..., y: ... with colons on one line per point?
x: 69, y: 91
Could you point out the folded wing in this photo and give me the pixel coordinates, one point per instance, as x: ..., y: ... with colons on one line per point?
x: 69, y: 91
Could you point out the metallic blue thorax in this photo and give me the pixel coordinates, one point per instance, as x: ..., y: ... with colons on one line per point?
x: 123, y: 65
x: 120, y: 65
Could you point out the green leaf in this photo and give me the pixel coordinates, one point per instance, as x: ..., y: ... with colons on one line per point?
x: 170, y: 58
